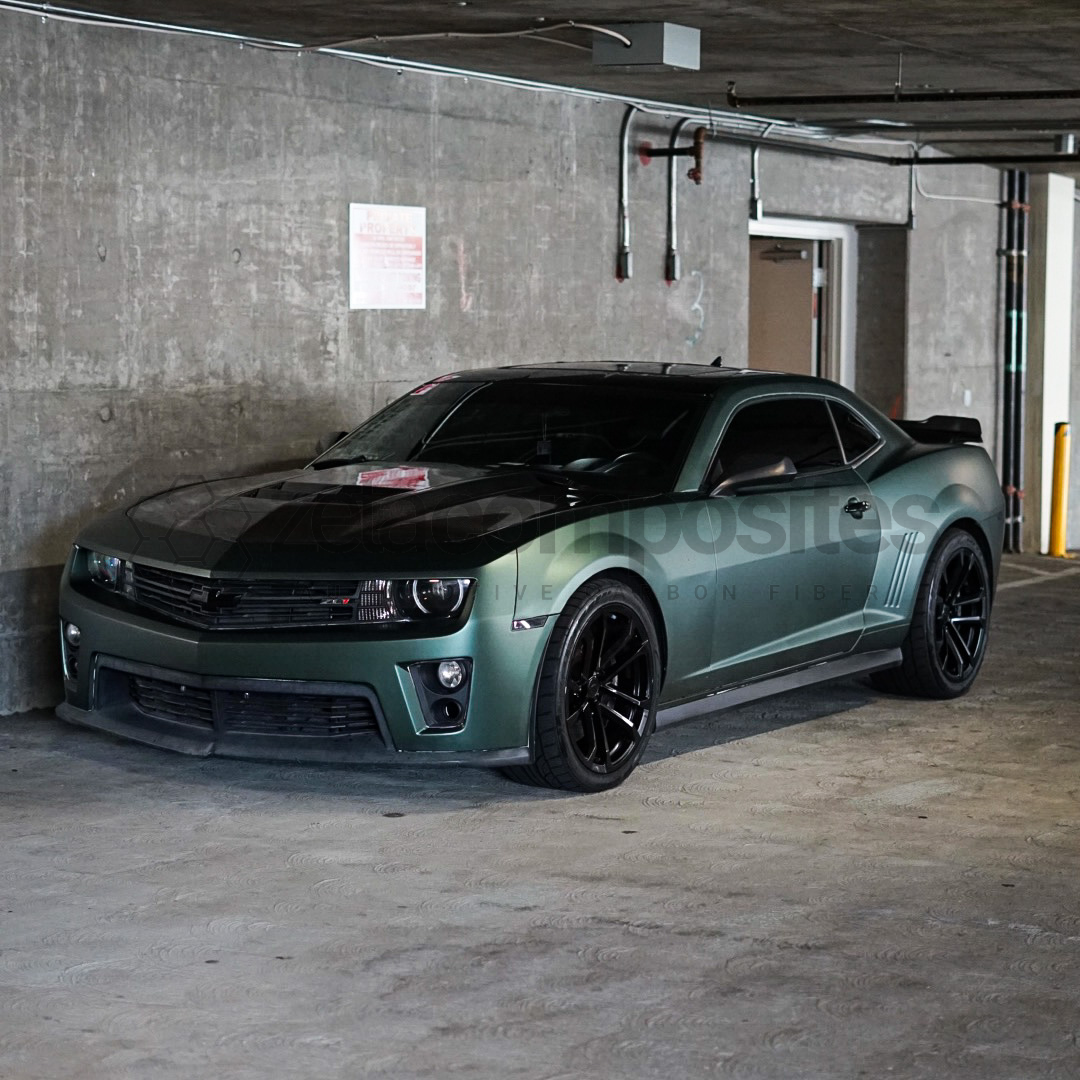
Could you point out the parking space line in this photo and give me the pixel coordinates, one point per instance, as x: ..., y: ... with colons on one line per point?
x: 1040, y: 580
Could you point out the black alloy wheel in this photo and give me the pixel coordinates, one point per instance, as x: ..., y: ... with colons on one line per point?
x: 961, y: 605
x: 608, y: 688
x: 946, y: 641
x: 596, y: 698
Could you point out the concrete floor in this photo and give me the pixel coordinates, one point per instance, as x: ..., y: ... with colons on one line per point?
x: 833, y: 884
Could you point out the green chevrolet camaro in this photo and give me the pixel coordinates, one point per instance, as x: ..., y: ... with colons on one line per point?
x: 532, y: 568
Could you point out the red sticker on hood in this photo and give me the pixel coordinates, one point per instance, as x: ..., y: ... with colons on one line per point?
x: 408, y: 479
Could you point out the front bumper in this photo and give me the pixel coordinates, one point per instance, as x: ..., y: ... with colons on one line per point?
x: 359, y: 685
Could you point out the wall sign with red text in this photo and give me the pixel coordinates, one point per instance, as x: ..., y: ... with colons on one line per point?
x: 387, y: 256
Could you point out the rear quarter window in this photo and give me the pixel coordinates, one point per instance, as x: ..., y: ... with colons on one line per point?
x: 855, y: 437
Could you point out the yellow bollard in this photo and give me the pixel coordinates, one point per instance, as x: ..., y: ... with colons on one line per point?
x: 1059, y: 492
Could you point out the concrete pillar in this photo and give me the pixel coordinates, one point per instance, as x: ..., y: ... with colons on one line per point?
x: 881, y: 324
x: 1050, y: 300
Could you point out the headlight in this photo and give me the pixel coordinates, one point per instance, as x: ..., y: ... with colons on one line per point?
x: 103, y: 569
x: 431, y: 597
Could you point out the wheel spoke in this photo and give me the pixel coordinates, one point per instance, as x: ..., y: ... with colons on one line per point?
x: 631, y: 727
x: 588, y: 648
x: 959, y: 645
x: 574, y: 725
x: 600, y: 734
x: 636, y: 702
x: 948, y: 582
x: 978, y: 598
x: 612, y: 651
x: 598, y: 656
x: 948, y: 648
x: 624, y: 664
x: 963, y: 564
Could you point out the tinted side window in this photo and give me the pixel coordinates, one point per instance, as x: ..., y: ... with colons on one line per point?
x: 761, y: 434
x: 855, y: 437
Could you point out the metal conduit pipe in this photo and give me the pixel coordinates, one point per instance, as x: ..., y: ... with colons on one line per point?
x: 912, y: 186
x: 756, y: 209
x: 624, y: 265
x: 896, y: 97
x: 1020, y: 375
x: 1014, y: 360
x: 1001, y: 128
x: 796, y: 148
x: 757, y: 143
x: 999, y: 160
x: 1023, y: 211
x: 1023, y: 214
x: 671, y: 262
x: 673, y: 152
x: 1009, y: 315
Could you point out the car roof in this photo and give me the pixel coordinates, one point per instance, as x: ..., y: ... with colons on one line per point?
x: 676, y: 375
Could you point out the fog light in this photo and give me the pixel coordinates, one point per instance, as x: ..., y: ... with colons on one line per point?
x: 451, y: 674
x: 442, y: 687
x: 72, y: 634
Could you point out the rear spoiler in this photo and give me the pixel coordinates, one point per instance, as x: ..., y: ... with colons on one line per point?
x: 943, y: 429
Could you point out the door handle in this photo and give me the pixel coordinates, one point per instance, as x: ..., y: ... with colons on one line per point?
x: 856, y: 507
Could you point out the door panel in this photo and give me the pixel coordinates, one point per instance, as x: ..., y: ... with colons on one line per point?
x: 794, y: 570
x: 782, y: 331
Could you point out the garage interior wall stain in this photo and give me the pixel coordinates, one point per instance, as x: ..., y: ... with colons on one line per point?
x: 173, y: 250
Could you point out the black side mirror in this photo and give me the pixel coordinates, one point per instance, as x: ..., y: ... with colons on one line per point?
x: 328, y: 440
x: 775, y: 473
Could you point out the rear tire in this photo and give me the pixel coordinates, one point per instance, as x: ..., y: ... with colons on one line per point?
x: 596, y: 697
x: 946, y: 642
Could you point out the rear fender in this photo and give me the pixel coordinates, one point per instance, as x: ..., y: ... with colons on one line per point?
x: 916, y: 509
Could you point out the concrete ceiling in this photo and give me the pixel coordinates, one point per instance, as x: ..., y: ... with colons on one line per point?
x: 768, y: 47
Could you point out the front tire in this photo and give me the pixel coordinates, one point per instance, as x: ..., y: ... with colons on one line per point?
x: 596, y: 696
x: 946, y: 642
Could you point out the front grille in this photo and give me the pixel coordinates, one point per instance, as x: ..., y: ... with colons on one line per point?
x: 302, y: 714
x: 172, y: 701
x: 216, y: 604
x: 255, y: 712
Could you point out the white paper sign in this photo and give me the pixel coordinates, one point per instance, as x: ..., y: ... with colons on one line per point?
x: 387, y: 256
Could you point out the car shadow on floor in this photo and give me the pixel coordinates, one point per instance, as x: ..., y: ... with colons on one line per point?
x: 393, y: 790
x: 759, y: 718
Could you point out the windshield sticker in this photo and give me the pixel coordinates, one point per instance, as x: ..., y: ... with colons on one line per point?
x: 407, y: 479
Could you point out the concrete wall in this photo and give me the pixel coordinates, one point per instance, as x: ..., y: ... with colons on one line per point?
x: 1072, y: 537
x: 881, y: 329
x: 173, y: 251
x: 953, y: 353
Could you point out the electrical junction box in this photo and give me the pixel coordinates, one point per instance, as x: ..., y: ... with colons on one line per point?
x: 654, y: 47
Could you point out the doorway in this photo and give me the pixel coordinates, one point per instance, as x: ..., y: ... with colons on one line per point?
x: 802, y: 291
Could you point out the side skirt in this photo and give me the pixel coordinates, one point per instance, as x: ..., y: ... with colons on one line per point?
x: 845, y: 667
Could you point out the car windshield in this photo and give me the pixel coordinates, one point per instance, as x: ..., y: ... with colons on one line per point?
x: 629, y: 434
